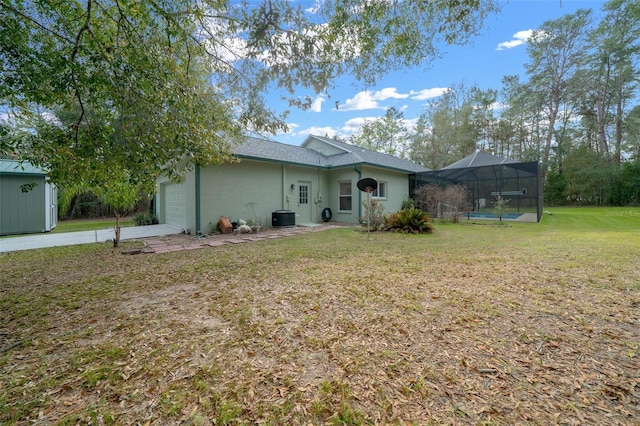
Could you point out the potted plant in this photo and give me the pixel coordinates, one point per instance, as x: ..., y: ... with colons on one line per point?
x: 255, y: 225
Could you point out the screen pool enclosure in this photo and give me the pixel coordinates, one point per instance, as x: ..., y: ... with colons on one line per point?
x: 488, y: 178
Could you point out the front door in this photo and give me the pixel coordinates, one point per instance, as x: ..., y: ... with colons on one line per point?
x: 304, y: 201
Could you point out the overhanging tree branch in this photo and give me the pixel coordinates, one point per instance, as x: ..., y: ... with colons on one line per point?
x: 74, y: 52
x: 35, y: 22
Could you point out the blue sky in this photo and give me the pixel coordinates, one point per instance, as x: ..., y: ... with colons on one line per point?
x: 500, y: 50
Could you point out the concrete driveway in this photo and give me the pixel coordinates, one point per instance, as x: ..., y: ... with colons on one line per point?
x: 84, y: 237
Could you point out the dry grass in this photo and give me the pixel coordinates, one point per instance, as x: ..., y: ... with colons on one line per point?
x: 482, y: 325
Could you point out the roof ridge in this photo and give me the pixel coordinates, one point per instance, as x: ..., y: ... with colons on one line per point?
x: 475, y: 155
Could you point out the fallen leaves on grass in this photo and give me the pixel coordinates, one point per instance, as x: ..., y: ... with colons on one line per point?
x: 329, y: 328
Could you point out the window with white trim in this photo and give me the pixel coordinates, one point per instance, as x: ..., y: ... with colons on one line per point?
x: 381, y: 190
x: 345, y: 195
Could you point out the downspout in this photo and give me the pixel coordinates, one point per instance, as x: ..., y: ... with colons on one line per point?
x: 197, y: 177
x: 359, y: 195
x: 285, y: 194
x: 318, y: 207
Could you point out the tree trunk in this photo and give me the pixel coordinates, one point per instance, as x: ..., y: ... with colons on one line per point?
x: 71, y: 211
x: 619, y: 113
x: 116, y: 239
x: 603, y: 146
x: 554, y: 105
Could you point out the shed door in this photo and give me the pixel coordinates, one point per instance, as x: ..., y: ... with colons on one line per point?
x: 51, y: 206
x: 174, y: 204
x: 21, y: 212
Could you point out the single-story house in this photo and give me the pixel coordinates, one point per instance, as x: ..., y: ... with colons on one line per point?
x: 270, y: 176
x: 28, y: 202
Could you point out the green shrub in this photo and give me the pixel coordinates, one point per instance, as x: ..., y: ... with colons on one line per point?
x: 373, y: 217
x: 142, y: 219
x: 408, y: 203
x: 500, y: 207
x: 414, y: 221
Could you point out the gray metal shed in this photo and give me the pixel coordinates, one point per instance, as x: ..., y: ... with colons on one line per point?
x: 28, y: 203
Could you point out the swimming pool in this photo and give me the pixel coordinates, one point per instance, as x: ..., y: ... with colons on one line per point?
x: 490, y: 216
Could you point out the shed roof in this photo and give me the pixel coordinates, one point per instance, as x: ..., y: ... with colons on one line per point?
x: 17, y: 167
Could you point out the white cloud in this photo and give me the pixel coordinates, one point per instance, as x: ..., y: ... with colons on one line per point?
x: 354, y: 125
x: 519, y: 38
x: 290, y: 132
x: 12, y: 118
x: 498, y: 106
x: 291, y: 127
x: 410, y: 123
x: 388, y: 93
x: 318, y: 131
x: 315, y: 8
x: 226, y: 49
x: 50, y: 117
x: 425, y: 94
x: 360, y: 101
x: 370, y: 100
x: 316, y: 106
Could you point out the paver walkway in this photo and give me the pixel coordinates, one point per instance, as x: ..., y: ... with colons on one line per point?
x: 185, y: 242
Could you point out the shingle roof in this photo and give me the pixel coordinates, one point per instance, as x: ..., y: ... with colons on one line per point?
x: 261, y: 149
x: 351, y: 155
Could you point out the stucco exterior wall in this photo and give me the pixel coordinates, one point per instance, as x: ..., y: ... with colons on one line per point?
x: 397, y: 191
x: 237, y: 190
x: 312, y: 178
x: 344, y: 175
x: 397, y: 187
x: 253, y: 189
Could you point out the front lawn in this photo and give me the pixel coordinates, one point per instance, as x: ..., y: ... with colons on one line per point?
x: 473, y: 324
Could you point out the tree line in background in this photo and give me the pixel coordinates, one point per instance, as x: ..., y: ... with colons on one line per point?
x: 577, y: 112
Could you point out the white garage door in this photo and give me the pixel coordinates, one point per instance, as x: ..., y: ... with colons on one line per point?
x: 174, y: 204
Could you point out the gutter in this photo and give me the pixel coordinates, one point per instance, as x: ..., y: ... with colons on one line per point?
x: 328, y: 166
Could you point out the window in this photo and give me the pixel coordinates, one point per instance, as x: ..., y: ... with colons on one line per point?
x: 381, y: 190
x: 303, y: 194
x: 345, y: 196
